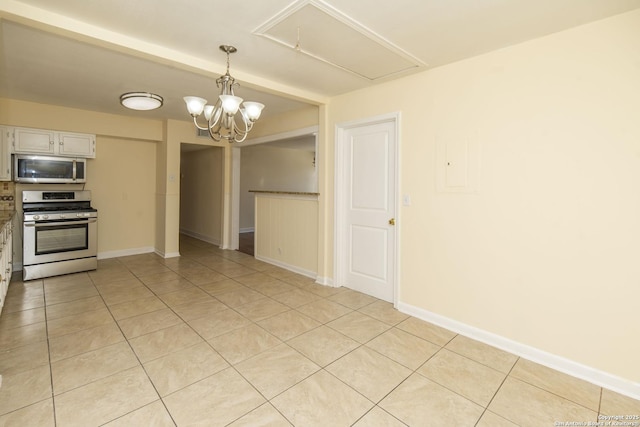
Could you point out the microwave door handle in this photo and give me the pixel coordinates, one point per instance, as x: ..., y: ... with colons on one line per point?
x: 74, y: 169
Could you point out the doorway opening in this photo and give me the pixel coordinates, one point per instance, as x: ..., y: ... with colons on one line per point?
x: 282, y: 162
x: 246, y: 242
x: 201, y: 192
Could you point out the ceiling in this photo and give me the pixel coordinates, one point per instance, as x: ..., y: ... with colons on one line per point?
x: 86, y: 53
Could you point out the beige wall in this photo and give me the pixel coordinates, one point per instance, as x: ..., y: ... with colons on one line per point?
x: 122, y: 183
x: 139, y: 155
x: 285, y: 122
x: 122, y: 178
x: 29, y: 114
x: 168, y: 182
x: 122, y: 189
x: 271, y: 168
x: 201, y: 194
x: 545, y: 252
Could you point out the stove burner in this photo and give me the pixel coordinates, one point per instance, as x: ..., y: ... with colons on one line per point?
x: 49, y: 205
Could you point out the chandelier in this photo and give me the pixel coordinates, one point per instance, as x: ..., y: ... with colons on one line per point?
x: 222, y: 121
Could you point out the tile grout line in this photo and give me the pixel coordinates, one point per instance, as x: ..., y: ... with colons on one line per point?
x: 136, y: 356
x: 132, y: 266
x: 46, y: 329
x: 230, y: 365
x: 496, y: 393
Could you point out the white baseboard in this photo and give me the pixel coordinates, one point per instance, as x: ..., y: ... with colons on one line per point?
x: 199, y: 236
x: 125, y: 252
x: 569, y: 367
x: 326, y: 281
x: 247, y: 230
x: 168, y: 254
x: 302, y: 271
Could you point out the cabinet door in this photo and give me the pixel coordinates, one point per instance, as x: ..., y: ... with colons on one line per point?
x: 77, y: 144
x: 5, y: 153
x: 9, y: 252
x: 4, y: 282
x: 36, y: 141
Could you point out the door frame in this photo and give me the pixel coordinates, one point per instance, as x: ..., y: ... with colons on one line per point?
x: 235, y: 173
x: 340, y: 210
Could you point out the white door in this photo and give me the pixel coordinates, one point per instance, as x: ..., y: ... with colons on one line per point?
x: 367, y: 183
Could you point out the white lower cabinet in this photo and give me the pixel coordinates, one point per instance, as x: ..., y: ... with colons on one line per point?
x: 6, y: 260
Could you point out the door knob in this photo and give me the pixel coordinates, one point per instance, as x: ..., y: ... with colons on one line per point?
x: 392, y: 221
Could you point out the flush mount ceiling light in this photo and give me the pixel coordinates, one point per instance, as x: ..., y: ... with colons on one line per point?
x: 141, y: 100
x: 221, y: 117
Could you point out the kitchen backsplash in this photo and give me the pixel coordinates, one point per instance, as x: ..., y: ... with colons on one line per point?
x: 7, y: 196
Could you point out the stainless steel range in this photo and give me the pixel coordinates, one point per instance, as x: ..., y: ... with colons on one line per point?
x: 60, y: 233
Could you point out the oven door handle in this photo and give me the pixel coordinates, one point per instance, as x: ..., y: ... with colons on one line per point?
x: 54, y: 224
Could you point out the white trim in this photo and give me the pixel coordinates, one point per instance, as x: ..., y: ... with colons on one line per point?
x: 326, y: 281
x: 569, y: 367
x: 200, y: 237
x: 283, y: 135
x: 168, y: 255
x: 236, y: 155
x: 339, y: 192
x: 302, y: 271
x: 126, y: 252
x: 247, y: 230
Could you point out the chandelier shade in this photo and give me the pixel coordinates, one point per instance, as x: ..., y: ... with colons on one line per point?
x: 195, y: 105
x: 222, y: 118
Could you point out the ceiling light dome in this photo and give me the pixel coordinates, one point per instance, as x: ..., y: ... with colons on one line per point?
x: 141, y: 100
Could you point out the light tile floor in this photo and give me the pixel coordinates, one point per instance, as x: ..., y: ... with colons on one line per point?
x: 218, y: 338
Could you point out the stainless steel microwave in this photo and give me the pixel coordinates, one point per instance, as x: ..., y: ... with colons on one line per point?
x: 49, y: 170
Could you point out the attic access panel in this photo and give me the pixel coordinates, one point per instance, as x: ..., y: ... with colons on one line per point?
x: 326, y: 34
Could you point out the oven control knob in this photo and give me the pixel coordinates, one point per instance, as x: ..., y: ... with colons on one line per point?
x: 62, y: 216
x: 45, y: 216
x: 36, y: 217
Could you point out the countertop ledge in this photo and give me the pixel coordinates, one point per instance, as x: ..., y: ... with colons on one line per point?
x: 299, y: 193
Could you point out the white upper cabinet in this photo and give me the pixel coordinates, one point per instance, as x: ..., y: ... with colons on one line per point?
x: 41, y: 141
x: 36, y: 141
x: 76, y: 144
x: 5, y: 153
